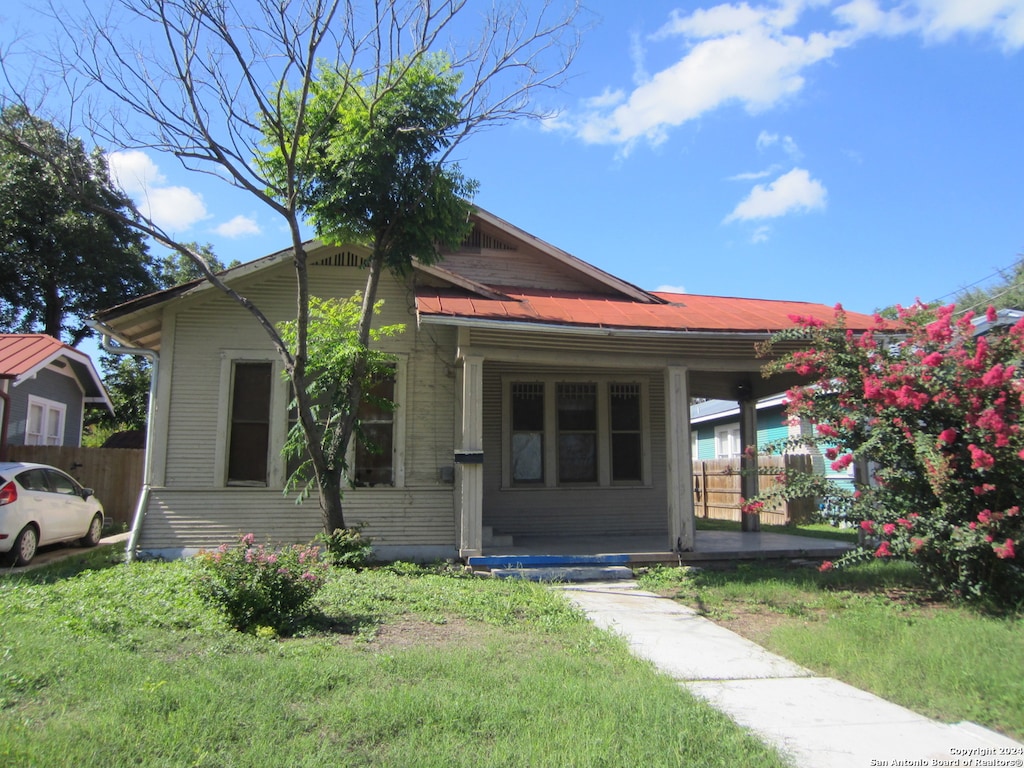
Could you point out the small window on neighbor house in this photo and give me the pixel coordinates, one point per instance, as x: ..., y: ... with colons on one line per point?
x: 528, y: 432
x: 45, y: 424
x: 374, y: 455
x: 576, y: 407
x: 627, y: 451
x: 727, y: 442
x: 249, y: 439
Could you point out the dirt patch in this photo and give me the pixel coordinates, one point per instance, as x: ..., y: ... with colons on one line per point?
x: 409, y: 632
x: 755, y: 625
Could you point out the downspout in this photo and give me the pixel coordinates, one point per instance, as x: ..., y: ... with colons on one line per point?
x: 4, y: 421
x: 147, y: 470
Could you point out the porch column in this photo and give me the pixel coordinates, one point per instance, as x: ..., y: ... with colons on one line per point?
x: 469, y: 457
x: 749, y: 484
x: 680, y: 466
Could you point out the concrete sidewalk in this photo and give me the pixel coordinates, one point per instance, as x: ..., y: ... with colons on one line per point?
x: 817, y: 722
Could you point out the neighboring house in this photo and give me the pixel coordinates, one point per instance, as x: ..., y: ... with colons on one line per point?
x: 536, y: 395
x: 715, y: 434
x: 45, y: 386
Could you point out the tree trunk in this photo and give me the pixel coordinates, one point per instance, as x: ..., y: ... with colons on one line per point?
x: 331, y: 509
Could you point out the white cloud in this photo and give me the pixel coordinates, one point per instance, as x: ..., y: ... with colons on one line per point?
x: 753, y: 175
x: 239, y: 226
x: 134, y: 172
x: 174, y: 209
x: 793, y: 192
x: 733, y: 54
x: 757, y: 56
x: 788, y: 145
x: 760, y: 234
x: 670, y: 289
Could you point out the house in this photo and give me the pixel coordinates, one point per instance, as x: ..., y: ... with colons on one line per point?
x: 536, y: 395
x: 45, y: 387
x: 715, y: 434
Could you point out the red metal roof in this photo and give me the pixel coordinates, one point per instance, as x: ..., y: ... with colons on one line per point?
x: 21, y: 352
x: 683, y: 312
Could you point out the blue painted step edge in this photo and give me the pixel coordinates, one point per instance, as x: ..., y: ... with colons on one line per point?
x: 543, y: 561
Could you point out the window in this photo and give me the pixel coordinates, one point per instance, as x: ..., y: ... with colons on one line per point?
x: 566, y: 433
x: 528, y: 432
x: 249, y: 440
x: 45, y: 424
x: 627, y: 447
x: 374, y: 454
x: 577, y: 433
x: 727, y: 442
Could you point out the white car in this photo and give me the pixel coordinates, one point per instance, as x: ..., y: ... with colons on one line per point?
x: 42, y: 505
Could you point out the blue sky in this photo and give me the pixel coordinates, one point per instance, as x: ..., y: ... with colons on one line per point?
x: 860, y: 152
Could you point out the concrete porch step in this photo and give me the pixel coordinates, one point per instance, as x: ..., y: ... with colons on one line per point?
x: 544, y: 561
x: 565, y: 574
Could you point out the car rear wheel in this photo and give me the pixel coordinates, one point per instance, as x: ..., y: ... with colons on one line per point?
x: 25, y: 546
x: 92, y: 538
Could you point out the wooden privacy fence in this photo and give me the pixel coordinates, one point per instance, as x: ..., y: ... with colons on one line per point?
x: 114, y: 473
x: 717, y: 494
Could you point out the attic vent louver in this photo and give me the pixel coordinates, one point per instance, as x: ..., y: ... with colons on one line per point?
x: 341, y: 259
x: 478, y: 239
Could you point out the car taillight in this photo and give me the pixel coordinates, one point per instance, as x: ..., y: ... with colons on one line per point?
x: 8, y: 494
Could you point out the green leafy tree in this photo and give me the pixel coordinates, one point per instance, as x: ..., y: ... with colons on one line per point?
x: 176, y: 269
x: 61, y: 260
x: 126, y: 378
x: 335, y: 355
x: 934, y: 413
x: 230, y: 89
x: 374, y: 164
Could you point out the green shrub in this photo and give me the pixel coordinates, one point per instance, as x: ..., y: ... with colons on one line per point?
x: 934, y: 413
x: 346, y: 547
x: 258, y: 587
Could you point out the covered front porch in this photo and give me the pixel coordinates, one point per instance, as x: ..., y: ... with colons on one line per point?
x: 709, y: 547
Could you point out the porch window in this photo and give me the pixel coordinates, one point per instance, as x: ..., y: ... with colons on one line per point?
x: 569, y: 433
x: 627, y: 450
x: 374, y: 462
x: 249, y: 440
x: 528, y: 432
x: 45, y: 425
x: 577, y: 433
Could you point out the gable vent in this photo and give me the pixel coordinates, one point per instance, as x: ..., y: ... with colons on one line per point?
x: 342, y: 259
x: 478, y: 239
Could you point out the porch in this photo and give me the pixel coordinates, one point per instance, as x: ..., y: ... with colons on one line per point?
x: 710, y: 547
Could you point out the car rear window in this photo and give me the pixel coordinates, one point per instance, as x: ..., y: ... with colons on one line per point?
x: 33, y: 480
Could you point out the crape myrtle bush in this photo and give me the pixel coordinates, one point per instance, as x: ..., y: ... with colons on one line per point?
x: 934, y: 413
x: 261, y: 589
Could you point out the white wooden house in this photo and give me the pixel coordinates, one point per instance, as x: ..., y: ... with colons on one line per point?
x: 536, y: 396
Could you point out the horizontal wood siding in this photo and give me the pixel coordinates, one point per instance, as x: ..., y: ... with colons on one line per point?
x: 49, y: 385
x: 194, y: 509
x: 195, y: 519
x: 568, y: 511
x: 524, y: 268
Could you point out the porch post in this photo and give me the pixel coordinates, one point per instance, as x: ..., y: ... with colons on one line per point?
x: 749, y: 485
x: 469, y: 468
x: 680, y: 466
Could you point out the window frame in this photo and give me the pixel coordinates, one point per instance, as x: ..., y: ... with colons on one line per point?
x: 278, y: 417
x: 47, y: 406
x: 400, y: 361
x: 550, y: 384
x: 732, y: 433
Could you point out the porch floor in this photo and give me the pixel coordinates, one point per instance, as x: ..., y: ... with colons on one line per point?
x: 709, y: 546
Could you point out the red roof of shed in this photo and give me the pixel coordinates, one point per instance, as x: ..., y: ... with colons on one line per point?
x: 21, y: 352
x: 683, y: 312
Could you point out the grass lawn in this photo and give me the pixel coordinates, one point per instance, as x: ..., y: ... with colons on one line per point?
x: 875, y: 627
x: 125, y: 666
